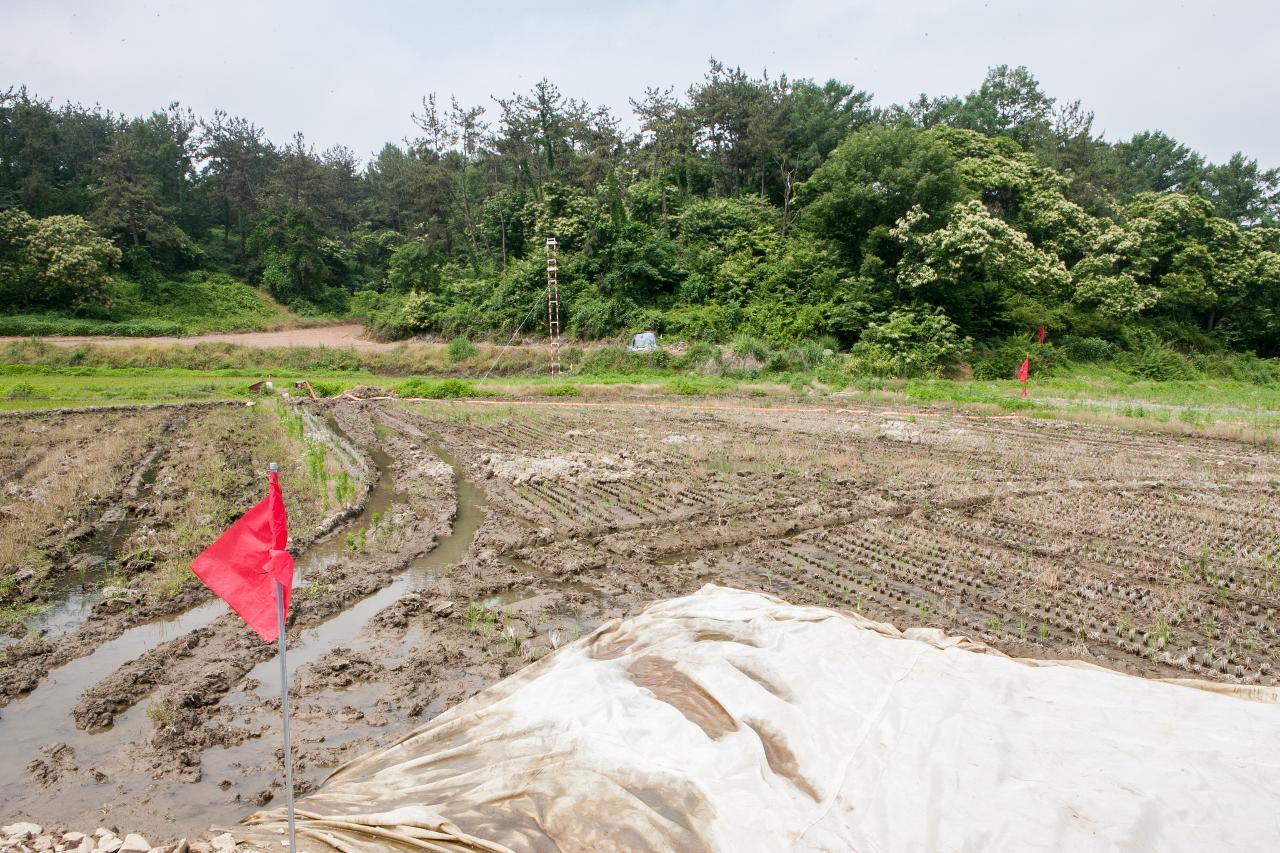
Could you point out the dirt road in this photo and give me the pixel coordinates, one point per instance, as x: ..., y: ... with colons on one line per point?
x: 348, y: 335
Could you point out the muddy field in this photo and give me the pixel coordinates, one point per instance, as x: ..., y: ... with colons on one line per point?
x: 442, y: 546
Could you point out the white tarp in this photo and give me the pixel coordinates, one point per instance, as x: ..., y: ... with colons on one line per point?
x: 732, y: 721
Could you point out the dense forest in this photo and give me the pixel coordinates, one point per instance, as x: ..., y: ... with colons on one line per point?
x: 786, y: 210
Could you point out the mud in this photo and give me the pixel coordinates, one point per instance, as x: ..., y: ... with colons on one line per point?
x: 492, y: 535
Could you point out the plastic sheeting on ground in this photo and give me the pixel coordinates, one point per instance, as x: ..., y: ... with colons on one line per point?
x: 732, y: 721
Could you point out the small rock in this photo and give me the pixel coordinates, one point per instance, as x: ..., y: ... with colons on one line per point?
x: 225, y: 842
x: 122, y: 593
x: 73, y: 837
x: 21, y: 831
x: 108, y: 844
x: 134, y: 843
x: 43, y: 843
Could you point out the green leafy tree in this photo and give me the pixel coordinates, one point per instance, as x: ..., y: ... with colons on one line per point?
x: 870, y: 182
x: 1244, y: 193
x: 55, y: 262
x: 973, y: 265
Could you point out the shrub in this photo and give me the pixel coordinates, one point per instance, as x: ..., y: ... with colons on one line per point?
x: 1242, y: 367
x: 910, y: 343
x: 326, y: 389
x: 437, y: 389
x: 1149, y: 357
x: 565, y: 390
x: 810, y: 355
x: 1090, y: 349
x: 702, y: 357
x: 1158, y: 363
x: 1002, y: 359
x: 707, y: 322
x: 681, y: 385
x: 461, y: 349
x: 745, y: 346
x: 617, y: 359
x: 22, y: 391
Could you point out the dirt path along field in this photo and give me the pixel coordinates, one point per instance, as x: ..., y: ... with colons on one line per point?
x: 350, y: 335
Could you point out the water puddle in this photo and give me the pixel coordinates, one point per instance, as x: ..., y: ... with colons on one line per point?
x: 344, y: 628
x: 81, y: 586
x: 44, y: 715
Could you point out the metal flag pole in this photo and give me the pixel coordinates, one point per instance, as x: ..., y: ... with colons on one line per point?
x: 284, y: 705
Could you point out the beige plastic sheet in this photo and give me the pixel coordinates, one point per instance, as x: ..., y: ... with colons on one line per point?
x: 733, y: 721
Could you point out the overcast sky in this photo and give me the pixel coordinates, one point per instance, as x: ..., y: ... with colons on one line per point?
x: 352, y: 72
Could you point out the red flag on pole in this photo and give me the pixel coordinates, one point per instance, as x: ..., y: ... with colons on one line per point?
x: 1023, y: 373
x: 1041, y: 333
x: 245, y: 563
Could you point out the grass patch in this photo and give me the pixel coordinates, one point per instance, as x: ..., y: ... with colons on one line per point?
x: 191, y: 304
x: 437, y: 389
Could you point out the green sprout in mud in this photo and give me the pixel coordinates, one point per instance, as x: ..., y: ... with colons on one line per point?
x: 343, y: 489
x: 314, y: 458
x: 512, y: 640
x: 1044, y: 631
x: 1022, y: 630
x: 479, y: 619
x: 291, y: 421
x: 161, y: 713
x: 355, y: 540
x: 1211, y: 627
x: 1160, y: 638
x: 923, y: 607
x: 994, y: 623
x: 375, y: 519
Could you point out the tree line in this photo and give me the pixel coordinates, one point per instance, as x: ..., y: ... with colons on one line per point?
x: 782, y: 208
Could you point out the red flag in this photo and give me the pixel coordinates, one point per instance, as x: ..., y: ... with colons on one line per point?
x: 1042, y: 333
x: 243, y: 565
x: 1023, y: 373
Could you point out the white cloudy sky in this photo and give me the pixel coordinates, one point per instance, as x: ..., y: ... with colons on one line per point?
x: 352, y: 72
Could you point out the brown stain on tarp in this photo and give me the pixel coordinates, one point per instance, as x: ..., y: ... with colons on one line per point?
x: 610, y: 643
x: 777, y: 690
x: 660, y: 677
x: 781, y: 759
x: 722, y: 637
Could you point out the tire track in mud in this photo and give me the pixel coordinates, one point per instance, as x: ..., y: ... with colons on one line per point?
x: 28, y: 662
x: 207, y: 662
x: 189, y: 675
x: 41, y: 716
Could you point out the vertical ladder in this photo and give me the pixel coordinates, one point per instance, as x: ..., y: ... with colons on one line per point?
x: 553, y: 304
